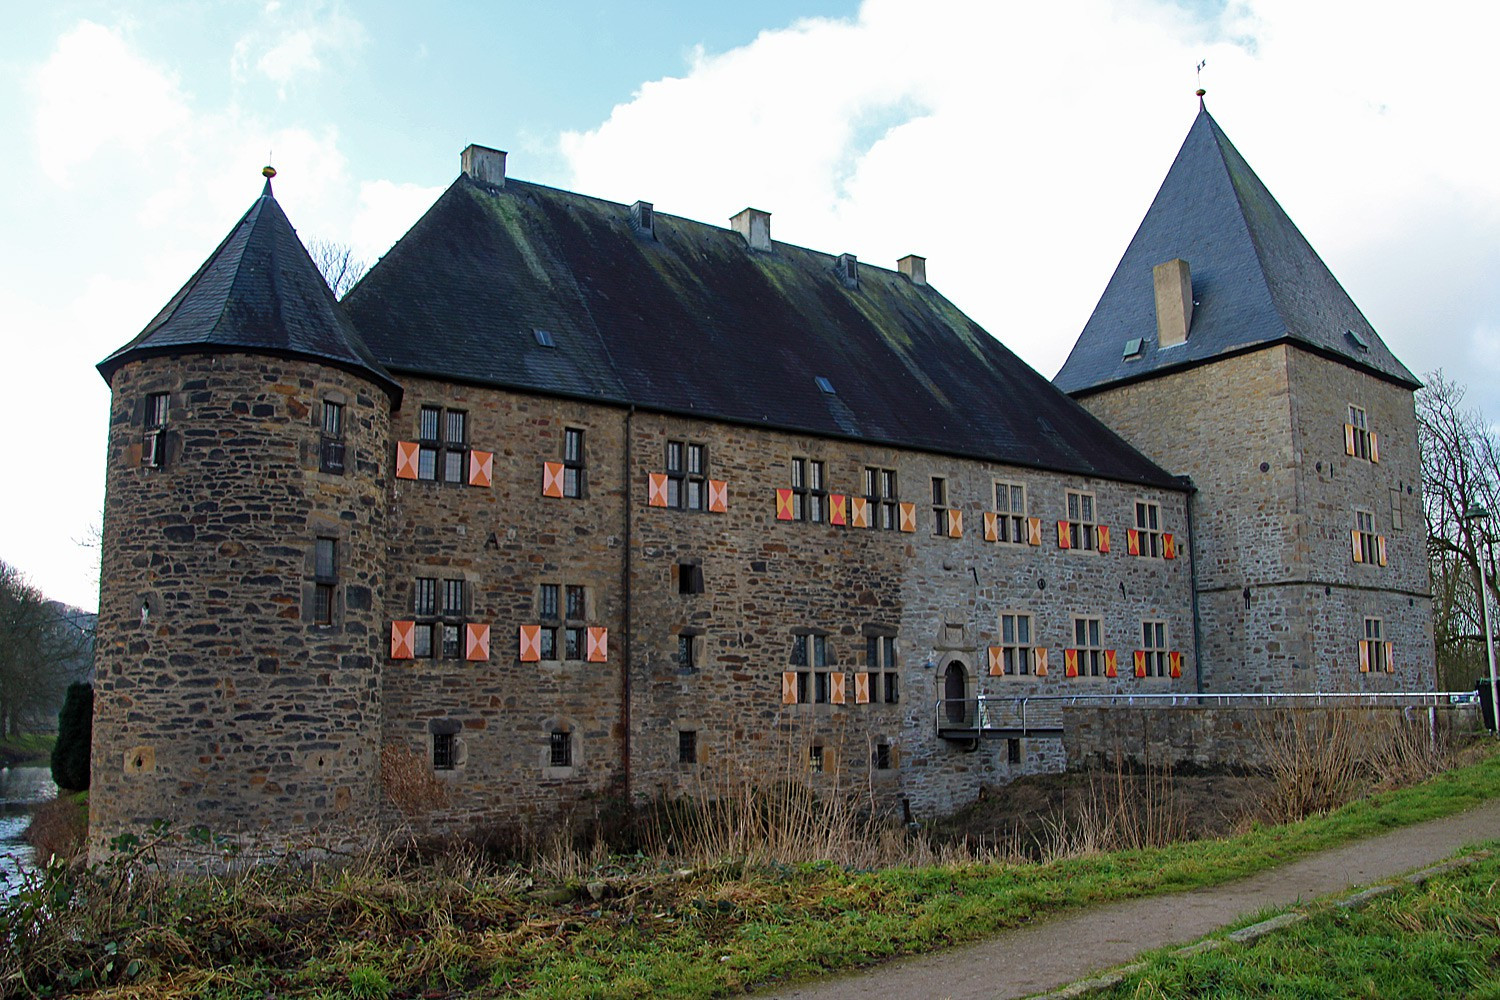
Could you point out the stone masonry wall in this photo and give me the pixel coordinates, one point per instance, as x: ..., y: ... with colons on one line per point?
x: 1282, y: 604
x: 220, y: 702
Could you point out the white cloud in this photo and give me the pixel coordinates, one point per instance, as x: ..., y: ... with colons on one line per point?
x: 1017, y: 147
x: 386, y: 211
x: 94, y: 92
x: 295, y: 41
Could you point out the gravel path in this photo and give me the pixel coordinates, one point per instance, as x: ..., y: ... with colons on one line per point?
x: 1052, y: 953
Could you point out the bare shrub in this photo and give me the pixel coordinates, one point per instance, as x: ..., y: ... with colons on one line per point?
x: 1313, y: 760
x: 59, y: 828
x: 409, y: 782
x: 1125, y: 810
x: 1409, y: 751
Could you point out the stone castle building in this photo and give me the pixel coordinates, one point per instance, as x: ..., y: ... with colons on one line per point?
x: 576, y: 502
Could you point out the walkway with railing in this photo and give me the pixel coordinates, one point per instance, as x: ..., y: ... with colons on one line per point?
x: 1041, y: 715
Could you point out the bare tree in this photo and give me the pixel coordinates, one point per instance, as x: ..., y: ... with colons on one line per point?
x: 338, y: 265
x: 1460, y: 473
x: 44, y: 646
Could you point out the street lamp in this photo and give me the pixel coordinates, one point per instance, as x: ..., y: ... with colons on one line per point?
x: 1476, y: 515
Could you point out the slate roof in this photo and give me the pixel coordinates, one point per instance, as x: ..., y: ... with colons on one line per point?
x: 258, y: 292
x: 694, y: 322
x: 1256, y: 280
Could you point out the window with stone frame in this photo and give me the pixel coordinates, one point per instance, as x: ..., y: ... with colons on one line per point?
x: 325, y: 579
x: 687, y: 475
x: 880, y: 661
x: 939, y: 505
x: 1357, y: 434
x: 882, y: 757
x: 1015, y: 643
x: 1154, y: 646
x: 549, y: 611
x: 689, y: 650
x: 574, y: 484
x: 1367, y: 542
x: 815, y: 757
x: 331, y: 438
x: 444, y: 751
x: 1372, y: 653
x: 560, y: 748
x: 1010, y: 510
x: 443, y: 448
x: 880, y: 491
x: 1080, y: 519
x: 687, y: 746
x: 439, y: 612
x: 1148, y: 528
x: 154, y: 441
x: 1088, y: 641
x: 809, y: 490
x: 810, y: 656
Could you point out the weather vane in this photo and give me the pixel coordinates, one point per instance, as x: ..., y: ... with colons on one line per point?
x: 1201, y: 63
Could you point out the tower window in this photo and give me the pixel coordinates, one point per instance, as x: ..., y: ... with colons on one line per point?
x: 325, y: 579
x: 154, y: 444
x: 331, y: 443
x: 573, y: 464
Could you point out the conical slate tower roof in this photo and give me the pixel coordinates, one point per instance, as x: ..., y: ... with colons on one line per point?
x: 1255, y: 279
x: 260, y: 293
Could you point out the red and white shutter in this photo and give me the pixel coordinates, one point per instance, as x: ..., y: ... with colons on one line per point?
x: 481, y: 467
x: 476, y: 642
x: 1133, y: 541
x: 838, y: 509
x: 1110, y: 668
x: 1063, y: 541
x: 1140, y: 663
x: 407, y: 455
x: 598, y: 644
x: 1070, y: 663
x: 1102, y: 531
x: 401, y: 640
x: 783, y: 505
x: 1168, y: 545
x: 1175, y: 661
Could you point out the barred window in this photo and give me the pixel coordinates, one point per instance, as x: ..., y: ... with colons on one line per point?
x: 442, y: 444
x: 561, y: 748
x: 444, y: 751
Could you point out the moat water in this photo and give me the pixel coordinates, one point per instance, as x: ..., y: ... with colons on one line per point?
x: 20, y: 789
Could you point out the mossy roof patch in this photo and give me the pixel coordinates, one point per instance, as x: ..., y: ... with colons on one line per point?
x: 1256, y: 280
x: 690, y: 320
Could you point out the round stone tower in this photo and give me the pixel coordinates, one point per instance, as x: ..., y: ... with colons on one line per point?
x: 238, y: 690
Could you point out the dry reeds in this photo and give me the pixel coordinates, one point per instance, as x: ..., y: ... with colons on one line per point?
x: 409, y: 783
x: 59, y: 828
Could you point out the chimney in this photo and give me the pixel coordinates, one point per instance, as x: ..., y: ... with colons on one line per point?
x: 1174, y: 302
x: 755, y: 226
x: 482, y: 164
x: 913, y: 267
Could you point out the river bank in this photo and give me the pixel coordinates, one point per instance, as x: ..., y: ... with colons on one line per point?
x: 27, y: 749
x: 21, y: 790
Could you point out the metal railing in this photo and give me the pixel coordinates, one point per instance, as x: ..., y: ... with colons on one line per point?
x: 1044, y: 711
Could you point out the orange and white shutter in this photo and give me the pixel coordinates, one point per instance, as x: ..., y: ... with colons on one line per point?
x: 552, y: 479
x: 531, y: 643
x: 656, y: 489
x: 991, y: 526
x: 783, y: 505
x: 955, y: 524
x: 1359, y: 550
x: 481, y: 467
x: 836, y: 692
x: 1375, y: 448
x: 1380, y: 549
x: 598, y: 645
x: 1390, y: 658
x: 401, y: 640
x: 1348, y: 439
x: 861, y: 689
x: 407, y: 454
x: 1364, y: 657
x: 476, y: 642
x: 997, y: 662
x: 718, y: 496
x: 838, y: 509
x: 789, y: 687
x: 908, y: 517
x: 859, y: 512
x: 1039, y: 661
x: 1034, y: 531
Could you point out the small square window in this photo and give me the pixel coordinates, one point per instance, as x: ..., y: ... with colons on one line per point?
x: 544, y: 338
x: 689, y: 578
x: 815, y: 757
x: 882, y: 756
x: 444, y: 751
x: 561, y: 748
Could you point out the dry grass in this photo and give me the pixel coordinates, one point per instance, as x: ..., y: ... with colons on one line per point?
x: 59, y: 828
x: 409, y: 783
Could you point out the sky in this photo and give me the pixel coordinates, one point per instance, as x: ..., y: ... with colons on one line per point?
x: 1014, y: 145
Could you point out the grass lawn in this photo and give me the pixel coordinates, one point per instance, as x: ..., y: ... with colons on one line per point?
x: 27, y: 748
x: 1438, y: 940
x: 386, y: 929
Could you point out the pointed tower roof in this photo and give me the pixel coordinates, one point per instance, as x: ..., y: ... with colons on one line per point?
x: 260, y: 293
x: 1255, y: 280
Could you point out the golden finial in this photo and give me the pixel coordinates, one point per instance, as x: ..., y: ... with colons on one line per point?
x: 268, y: 172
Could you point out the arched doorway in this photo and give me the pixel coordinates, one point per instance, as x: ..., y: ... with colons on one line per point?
x: 956, y: 692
